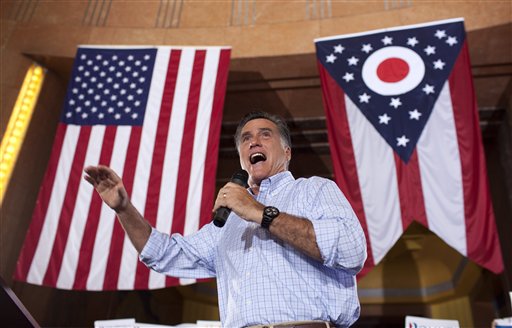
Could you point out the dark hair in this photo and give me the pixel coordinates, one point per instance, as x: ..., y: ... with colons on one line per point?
x: 277, y: 120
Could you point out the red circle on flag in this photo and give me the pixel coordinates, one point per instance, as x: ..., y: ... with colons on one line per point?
x: 392, y: 70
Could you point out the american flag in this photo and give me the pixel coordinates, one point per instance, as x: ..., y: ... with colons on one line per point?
x: 405, y: 139
x: 153, y: 114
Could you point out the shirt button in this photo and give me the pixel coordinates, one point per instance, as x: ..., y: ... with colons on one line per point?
x: 248, y: 274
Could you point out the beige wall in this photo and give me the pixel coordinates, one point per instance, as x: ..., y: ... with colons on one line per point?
x: 273, y: 49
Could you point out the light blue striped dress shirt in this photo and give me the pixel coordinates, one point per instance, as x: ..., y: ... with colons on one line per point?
x: 261, y: 279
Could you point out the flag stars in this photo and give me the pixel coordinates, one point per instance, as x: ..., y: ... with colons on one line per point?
x: 414, y: 115
x: 69, y: 114
x: 428, y: 89
x: 440, y: 34
x: 451, y: 41
x: 339, y: 49
x: 402, y: 141
x: 330, y: 59
x: 439, y: 64
x: 352, y: 61
x: 384, y: 119
x: 430, y: 50
x: 117, y: 116
x: 134, y: 116
x: 364, y: 98
x: 101, y: 116
x: 412, y: 41
x: 366, y: 48
x: 348, y: 77
x: 387, y: 40
x: 395, y: 102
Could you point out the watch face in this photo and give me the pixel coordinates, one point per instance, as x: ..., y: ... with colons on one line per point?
x: 271, y: 211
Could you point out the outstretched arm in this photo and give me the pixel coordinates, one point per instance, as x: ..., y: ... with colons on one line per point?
x: 112, y: 191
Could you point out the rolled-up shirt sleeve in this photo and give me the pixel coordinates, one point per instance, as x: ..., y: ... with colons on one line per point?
x: 339, y: 234
x: 185, y: 257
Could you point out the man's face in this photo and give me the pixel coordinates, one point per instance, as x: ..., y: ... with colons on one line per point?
x: 262, y: 153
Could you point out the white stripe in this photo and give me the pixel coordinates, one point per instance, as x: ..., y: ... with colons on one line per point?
x: 379, y: 189
x: 79, y: 219
x: 107, y: 217
x: 195, y: 191
x: 441, y: 176
x: 172, y: 153
x: 129, y: 255
x: 51, y: 221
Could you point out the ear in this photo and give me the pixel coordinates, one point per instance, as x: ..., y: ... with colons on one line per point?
x: 288, y: 152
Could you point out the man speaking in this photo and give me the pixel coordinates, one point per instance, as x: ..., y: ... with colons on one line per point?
x: 287, y: 254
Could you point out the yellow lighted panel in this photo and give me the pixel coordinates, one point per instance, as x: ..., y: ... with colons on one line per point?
x: 18, y: 123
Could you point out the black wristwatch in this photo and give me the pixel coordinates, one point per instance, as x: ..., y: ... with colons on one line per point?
x: 269, y: 214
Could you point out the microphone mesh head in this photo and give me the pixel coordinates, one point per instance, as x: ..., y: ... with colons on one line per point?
x: 240, y: 178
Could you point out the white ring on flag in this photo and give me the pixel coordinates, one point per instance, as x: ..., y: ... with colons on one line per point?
x: 409, y: 82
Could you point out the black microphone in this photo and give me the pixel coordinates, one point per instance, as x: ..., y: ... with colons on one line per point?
x: 222, y: 213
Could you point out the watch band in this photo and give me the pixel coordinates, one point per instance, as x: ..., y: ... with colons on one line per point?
x: 269, y: 214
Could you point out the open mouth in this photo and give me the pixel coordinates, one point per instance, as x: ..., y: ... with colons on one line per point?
x: 257, y: 157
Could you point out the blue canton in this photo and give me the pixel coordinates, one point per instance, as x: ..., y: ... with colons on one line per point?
x: 399, y: 111
x: 261, y: 279
x: 109, y: 86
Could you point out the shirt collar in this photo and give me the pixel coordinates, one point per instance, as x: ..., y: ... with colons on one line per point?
x: 277, y: 181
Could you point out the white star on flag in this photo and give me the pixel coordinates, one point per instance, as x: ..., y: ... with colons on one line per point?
x: 331, y: 58
x: 348, y: 77
x: 387, y: 40
x: 367, y: 48
x: 384, y: 119
x: 439, y: 64
x: 364, y: 98
x: 440, y: 34
x: 451, y: 40
x: 428, y: 89
x: 402, y: 141
x: 414, y: 115
x: 430, y: 50
x: 352, y: 61
x: 412, y: 41
x: 339, y: 49
x: 395, y: 102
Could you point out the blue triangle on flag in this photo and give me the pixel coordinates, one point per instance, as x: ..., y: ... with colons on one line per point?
x: 394, y: 76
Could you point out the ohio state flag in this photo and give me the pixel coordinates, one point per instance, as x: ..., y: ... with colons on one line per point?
x: 405, y: 138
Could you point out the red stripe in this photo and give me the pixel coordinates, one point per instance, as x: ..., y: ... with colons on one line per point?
x: 93, y: 217
x: 212, y: 151
x: 342, y: 152
x: 117, y: 240
x: 43, y: 199
x: 412, y: 204
x: 157, y: 163
x: 68, y: 207
x: 187, y: 147
x: 481, y: 235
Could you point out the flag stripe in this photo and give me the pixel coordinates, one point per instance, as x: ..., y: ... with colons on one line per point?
x: 184, y: 173
x: 482, y: 240
x: 370, y: 148
x: 47, y: 237
x: 107, y: 219
x: 410, y: 193
x: 118, y: 237
x: 68, y: 205
x: 340, y: 143
x: 157, y: 165
x: 441, y: 174
x: 43, y: 199
x: 91, y: 226
x: 66, y: 270
x: 212, y: 148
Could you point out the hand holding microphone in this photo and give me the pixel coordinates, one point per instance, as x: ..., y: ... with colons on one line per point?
x: 221, y: 214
